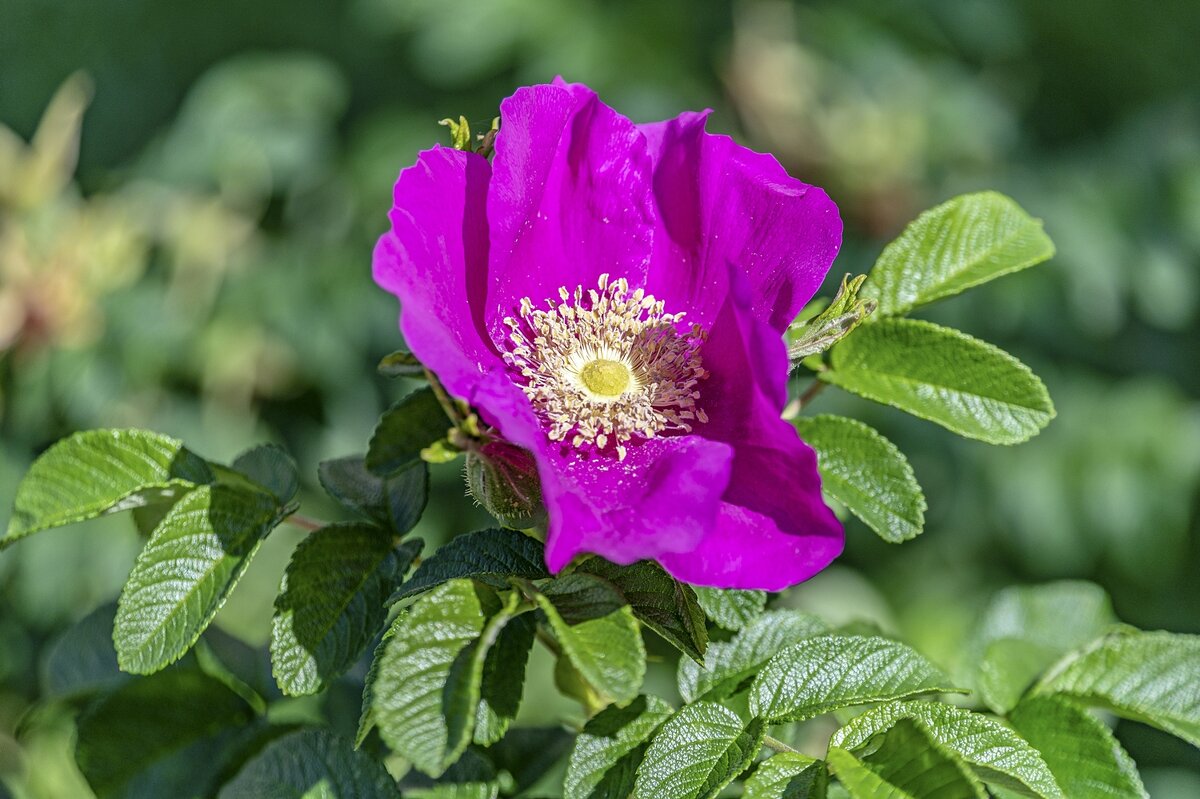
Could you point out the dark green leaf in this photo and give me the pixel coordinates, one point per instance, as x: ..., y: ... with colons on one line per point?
x: 659, y: 601
x: 866, y: 473
x: 271, y: 468
x: 943, y: 375
x: 331, y: 603
x: 969, y: 240
x: 731, y: 608
x: 788, y: 775
x: 612, y: 745
x: 822, y: 674
x: 146, y: 720
x: 408, y: 427
x: 101, y: 471
x: 311, y: 764
x: 82, y: 661
x: 1149, y: 677
x: 1082, y: 752
x: 183, y: 576
x: 528, y: 754
x: 504, y: 678
x: 396, y: 502
x: 729, y: 664
x: 697, y: 752
x: 401, y: 363
x: 488, y: 555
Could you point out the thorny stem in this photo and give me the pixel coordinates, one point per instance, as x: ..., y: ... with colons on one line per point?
x: 795, y: 406
x: 304, y: 522
x: 777, y: 745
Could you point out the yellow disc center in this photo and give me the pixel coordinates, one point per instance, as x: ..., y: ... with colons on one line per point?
x: 605, y: 378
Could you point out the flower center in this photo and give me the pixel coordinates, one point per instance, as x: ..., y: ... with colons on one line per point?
x: 605, y: 378
x: 607, y: 365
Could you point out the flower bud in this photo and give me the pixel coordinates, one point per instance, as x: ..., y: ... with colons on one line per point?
x: 503, y: 479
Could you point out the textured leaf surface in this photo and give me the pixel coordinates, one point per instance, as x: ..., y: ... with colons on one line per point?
x: 503, y: 677
x: 488, y: 555
x: 659, y: 601
x: 331, y: 603
x: 994, y: 752
x: 966, y: 385
x: 607, y: 753
x: 866, y: 473
x: 729, y: 664
x: 1025, y: 629
x: 185, y: 573
x: 271, y: 468
x: 311, y: 764
x: 1149, y: 677
x: 788, y: 775
x: 905, y: 758
x: 697, y: 752
x: 822, y: 674
x: 396, y: 502
x: 731, y: 608
x: 147, y: 720
x: 959, y: 244
x: 408, y: 427
x: 1081, y: 751
x: 98, y: 472
x: 861, y: 782
x: 598, y: 633
x: 423, y: 691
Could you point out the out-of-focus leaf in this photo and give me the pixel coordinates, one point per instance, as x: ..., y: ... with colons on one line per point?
x: 82, y: 661
x: 697, y: 752
x: 731, y: 608
x: 400, y: 363
x: 270, y: 467
x: 311, y: 764
x: 612, y: 745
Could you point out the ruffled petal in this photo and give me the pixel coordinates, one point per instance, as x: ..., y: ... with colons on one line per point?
x: 721, y: 204
x: 569, y: 200
x: 435, y: 260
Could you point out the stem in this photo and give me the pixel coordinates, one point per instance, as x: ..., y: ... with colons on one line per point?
x: 444, y: 399
x: 795, y: 406
x: 777, y: 745
x: 548, y: 641
x: 305, y: 523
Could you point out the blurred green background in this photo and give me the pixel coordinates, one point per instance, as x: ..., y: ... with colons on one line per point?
x: 204, y: 268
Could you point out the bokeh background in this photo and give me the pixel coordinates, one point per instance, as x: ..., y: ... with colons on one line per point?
x: 189, y: 194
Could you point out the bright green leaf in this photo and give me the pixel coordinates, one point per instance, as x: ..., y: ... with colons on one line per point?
x: 597, y: 633
x: 905, y: 759
x: 607, y: 753
x: 788, y: 775
x: 966, y: 385
x: 331, y: 603
x: 1149, y: 677
x: 868, y: 474
x: 729, y: 664
x: 969, y: 240
x: 1082, y: 752
x: 659, y: 601
x: 859, y: 781
x: 822, y: 674
x: 487, y: 555
x: 183, y: 576
x: 101, y: 471
x: 396, y: 502
x: 311, y: 764
x: 994, y: 752
x: 697, y: 752
x: 270, y: 467
x: 731, y: 608
x: 404, y: 430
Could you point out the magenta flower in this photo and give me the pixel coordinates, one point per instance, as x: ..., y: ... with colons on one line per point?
x: 612, y: 297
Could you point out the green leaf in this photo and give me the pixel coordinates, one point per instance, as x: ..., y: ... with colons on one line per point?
x: 147, y: 720
x: 506, y: 641
x: 905, y: 759
x: 183, y: 576
x: 1149, y: 677
x: 396, y: 502
x: 331, y: 603
x: 1082, y: 752
x: 473, y: 776
x: 400, y: 363
x: 822, y: 674
x: 659, y: 601
x: 859, y: 781
x: 488, y: 555
x: 1025, y: 629
x: 730, y: 664
x: 966, y: 385
x: 866, y: 473
x: 788, y: 775
x: 82, y: 662
x: 731, y: 608
x: 598, y: 633
x: 831, y: 325
x: 607, y: 753
x: 404, y: 430
x: 101, y: 471
x: 697, y: 752
x: 994, y: 752
x: 969, y: 240
x: 268, y: 466
x: 528, y: 753
x: 423, y: 691
x: 311, y: 764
